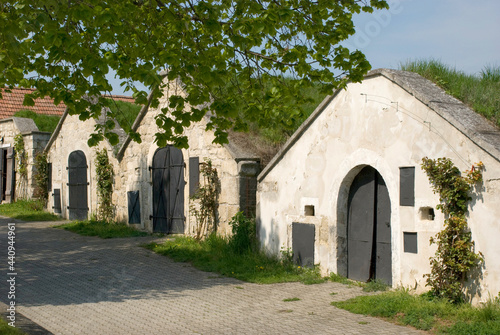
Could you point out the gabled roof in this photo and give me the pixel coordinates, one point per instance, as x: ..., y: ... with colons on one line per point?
x: 474, y: 126
x: 122, y: 135
x: 242, y: 149
x: 12, y: 102
x: 22, y: 124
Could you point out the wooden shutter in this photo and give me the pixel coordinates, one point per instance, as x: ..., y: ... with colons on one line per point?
x: 11, y: 175
x: 134, y: 207
x: 194, y: 175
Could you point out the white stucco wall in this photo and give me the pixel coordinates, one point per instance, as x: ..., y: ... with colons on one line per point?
x: 379, y: 124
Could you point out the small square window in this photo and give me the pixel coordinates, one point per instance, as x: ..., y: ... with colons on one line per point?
x: 309, y: 210
x: 407, y: 186
x: 410, y: 242
x: 427, y: 213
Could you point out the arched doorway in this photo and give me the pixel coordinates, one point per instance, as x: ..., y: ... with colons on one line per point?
x: 77, y: 186
x: 168, y: 191
x: 369, y: 228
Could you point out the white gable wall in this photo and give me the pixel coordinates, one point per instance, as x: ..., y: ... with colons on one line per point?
x: 375, y: 123
x: 73, y: 136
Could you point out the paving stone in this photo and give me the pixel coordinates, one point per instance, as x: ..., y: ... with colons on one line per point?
x: 71, y: 284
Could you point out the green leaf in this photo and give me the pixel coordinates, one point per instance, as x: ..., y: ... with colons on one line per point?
x: 209, y: 49
x: 28, y: 101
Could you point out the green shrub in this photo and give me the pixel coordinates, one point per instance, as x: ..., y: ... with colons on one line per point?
x: 41, y: 177
x: 243, y: 238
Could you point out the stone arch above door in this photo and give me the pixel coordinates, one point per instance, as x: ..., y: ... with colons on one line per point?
x: 345, y: 172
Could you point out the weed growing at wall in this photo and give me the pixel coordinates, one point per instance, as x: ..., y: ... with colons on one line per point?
x: 244, y: 236
x: 41, y: 178
x: 455, y: 256
x: 104, y: 180
x: 206, y: 208
x: 22, y: 166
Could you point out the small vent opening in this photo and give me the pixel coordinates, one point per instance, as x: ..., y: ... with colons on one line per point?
x: 427, y: 213
x: 309, y: 210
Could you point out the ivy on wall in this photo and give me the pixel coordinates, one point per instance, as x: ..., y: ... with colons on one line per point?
x: 455, y: 256
x: 104, y: 181
x: 22, y: 166
x: 41, y: 177
x: 205, y: 204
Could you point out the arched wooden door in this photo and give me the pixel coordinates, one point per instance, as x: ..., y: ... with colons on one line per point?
x: 77, y: 186
x: 168, y: 191
x: 369, y: 228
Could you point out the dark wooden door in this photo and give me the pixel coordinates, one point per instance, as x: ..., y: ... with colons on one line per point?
x: 369, y: 229
x: 3, y: 173
x: 168, y: 191
x: 77, y: 186
x: 10, y: 175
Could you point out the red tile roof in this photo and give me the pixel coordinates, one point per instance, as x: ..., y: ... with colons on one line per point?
x: 12, y: 102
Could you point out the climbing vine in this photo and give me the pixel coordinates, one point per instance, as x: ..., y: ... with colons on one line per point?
x: 41, y: 177
x: 205, y: 210
x: 455, y: 256
x: 22, y: 166
x: 104, y: 180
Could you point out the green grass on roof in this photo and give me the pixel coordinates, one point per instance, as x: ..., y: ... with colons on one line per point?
x: 43, y: 122
x: 125, y: 112
x: 480, y: 92
x: 277, y: 134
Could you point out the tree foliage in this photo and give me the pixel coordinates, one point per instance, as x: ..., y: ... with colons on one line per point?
x: 230, y: 56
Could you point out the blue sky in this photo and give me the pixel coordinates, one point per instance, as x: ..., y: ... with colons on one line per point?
x: 464, y: 34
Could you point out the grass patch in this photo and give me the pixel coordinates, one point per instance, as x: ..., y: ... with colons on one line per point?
x: 291, y: 299
x: 125, y: 112
x: 101, y: 229
x: 27, y: 210
x: 43, y: 122
x: 426, y: 313
x: 375, y: 286
x: 215, y: 254
x: 480, y: 92
x: 339, y: 279
x: 5, y: 329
